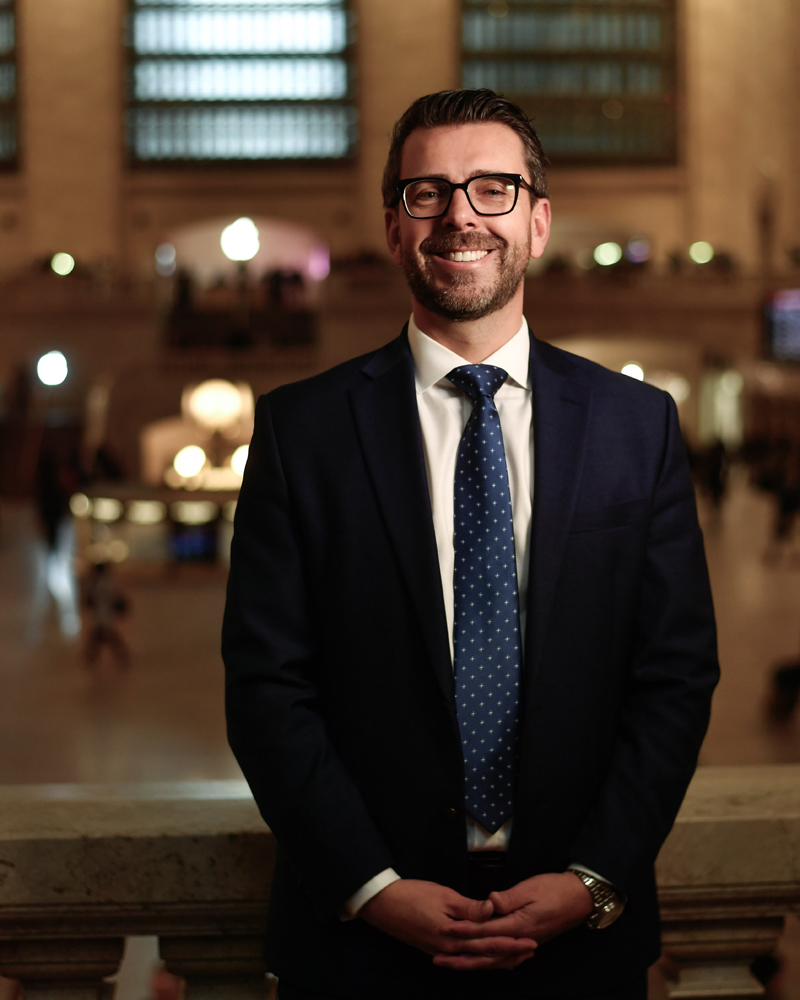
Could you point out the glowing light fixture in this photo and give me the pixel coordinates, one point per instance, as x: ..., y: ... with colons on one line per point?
x: 52, y: 368
x: 701, y: 252
x: 678, y: 387
x: 239, y: 240
x: 637, y: 250
x: 608, y: 253
x: 239, y: 459
x: 146, y: 511
x: 632, y: 370
x: 62, y: 263
x: 189, y: 461
x: 193, y: 511
x: 80, y: 505
x: 319, y: 264
x: 215, y: 403
x: 106, y: 509
x: 166, y: 260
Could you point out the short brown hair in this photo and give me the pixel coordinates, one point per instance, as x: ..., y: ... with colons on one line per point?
x: 464, y: 107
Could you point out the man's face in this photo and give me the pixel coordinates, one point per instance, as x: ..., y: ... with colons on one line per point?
x: 425, y: 248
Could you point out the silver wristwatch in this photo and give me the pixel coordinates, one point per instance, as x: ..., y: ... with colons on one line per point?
x: 608, y: 904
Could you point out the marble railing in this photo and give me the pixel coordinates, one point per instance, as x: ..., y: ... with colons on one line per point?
x: 82, y: 868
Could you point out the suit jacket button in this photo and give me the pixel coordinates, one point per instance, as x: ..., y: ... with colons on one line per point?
x: 451, y: 813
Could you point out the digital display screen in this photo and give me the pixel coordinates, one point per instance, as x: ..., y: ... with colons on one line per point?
x: 783, y: 325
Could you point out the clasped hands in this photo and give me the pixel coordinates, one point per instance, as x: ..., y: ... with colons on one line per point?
x: 500, y: 932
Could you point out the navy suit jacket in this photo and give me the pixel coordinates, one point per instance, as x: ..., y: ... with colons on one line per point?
x: 340, y: 692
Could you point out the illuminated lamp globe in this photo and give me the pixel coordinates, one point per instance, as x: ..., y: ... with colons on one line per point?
x: 701, y: 252
x: 239, y: 240
x: 52, y: 368
x: 607, y: 254
x: 189, y: 461
x: 215, y: 403
x: 62, y: 263
x: 632, y: 370
x: 239, y: 459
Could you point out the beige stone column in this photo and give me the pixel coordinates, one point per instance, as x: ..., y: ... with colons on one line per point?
x: 71, y: 125
x: 404, y: 50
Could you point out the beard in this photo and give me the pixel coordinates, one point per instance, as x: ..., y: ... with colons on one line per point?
x: 465, y: 297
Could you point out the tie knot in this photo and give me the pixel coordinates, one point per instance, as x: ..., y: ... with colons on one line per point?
x: 478, y: 380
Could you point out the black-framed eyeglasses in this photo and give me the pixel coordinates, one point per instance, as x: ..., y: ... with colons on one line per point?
x: 488, y: 194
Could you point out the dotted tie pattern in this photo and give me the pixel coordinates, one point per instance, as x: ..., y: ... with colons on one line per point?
x: 486, y: 634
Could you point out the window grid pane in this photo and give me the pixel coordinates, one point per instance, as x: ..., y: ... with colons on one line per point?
x: 235, y: 80
x: 596, y: 76
x: 8, y: 85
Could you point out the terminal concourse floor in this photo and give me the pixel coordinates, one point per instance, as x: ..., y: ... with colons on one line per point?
x: 162, y: 719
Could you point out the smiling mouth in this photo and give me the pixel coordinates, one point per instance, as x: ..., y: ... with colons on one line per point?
x: 464, y: 254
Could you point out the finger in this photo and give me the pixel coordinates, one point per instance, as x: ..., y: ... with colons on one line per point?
x: 484, y: 946
x: 516, y: 924
x: 469, y: 929
x: 463, y: 908
x: 508, y: 946
x: 465, y: 962
x: 509, y: 900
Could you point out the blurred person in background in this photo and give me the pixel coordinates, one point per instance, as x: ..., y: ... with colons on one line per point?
x: 106, y: 603
x: 57, y: 478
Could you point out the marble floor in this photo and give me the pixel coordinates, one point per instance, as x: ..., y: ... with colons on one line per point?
x: 162, y: 718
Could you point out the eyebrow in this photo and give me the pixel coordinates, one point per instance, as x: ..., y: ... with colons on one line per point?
x: 473, y: 173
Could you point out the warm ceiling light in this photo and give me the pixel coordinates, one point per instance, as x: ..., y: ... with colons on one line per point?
x: 215, y: 403
x: 632, y: 370
x: 146, y: 511
x: 608, y: 253
x: 52, y: 368
x: 239, y: 459
x: 239, y: 240
x: 189, y: 461
x: 701, y: 252
x: 62, y: 263
x: 106, y: 509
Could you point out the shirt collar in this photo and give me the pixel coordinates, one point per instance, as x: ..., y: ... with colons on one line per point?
x: 432, y: 360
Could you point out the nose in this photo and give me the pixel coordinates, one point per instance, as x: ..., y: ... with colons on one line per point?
x: 460, y: 214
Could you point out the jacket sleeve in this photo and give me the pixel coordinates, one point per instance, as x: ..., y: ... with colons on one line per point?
x: 673, y: 673
x: 275, y: 727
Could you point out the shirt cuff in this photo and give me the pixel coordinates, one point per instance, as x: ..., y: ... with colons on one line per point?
x: 366, y: 892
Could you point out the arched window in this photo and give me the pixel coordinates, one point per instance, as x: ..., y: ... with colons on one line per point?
x: 239, y: 80
x: 598, y: 77
x: 8, y: 85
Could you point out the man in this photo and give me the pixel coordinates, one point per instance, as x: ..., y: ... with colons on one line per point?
x: 469, y: 635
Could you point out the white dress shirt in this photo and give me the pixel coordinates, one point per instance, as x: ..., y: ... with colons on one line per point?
x: 443, y: 415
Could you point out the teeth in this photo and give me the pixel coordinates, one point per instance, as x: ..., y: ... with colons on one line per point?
x: 467, y: 254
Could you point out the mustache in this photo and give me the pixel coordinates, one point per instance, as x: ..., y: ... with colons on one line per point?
x: 447, y: 242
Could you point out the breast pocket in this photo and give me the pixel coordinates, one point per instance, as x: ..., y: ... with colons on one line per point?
x: 616, y: 515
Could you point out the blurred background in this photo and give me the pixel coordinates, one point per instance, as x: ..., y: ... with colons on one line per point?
x: 190, y: 216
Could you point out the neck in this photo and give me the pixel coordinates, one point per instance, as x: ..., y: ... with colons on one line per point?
x: 472, y: 340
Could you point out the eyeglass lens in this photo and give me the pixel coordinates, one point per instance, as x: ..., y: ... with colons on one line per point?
x: 426, y: 199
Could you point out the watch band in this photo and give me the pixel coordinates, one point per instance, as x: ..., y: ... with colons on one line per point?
x: 607, y: 903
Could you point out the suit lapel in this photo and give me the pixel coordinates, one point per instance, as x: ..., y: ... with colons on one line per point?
x: 561, y: 406
x: 387, y: 419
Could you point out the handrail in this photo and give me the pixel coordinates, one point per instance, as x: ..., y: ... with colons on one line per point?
x: 84, y: 866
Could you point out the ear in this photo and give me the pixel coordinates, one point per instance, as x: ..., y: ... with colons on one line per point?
x: 391, y: 218
x: 540, y: 226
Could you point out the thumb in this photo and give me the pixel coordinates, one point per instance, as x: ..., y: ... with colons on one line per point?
x: 507, y: 901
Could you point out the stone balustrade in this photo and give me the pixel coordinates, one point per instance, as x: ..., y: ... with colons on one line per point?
x: 84, y: 867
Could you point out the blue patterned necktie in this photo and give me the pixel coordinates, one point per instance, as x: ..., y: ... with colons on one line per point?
x: 486, y: 623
